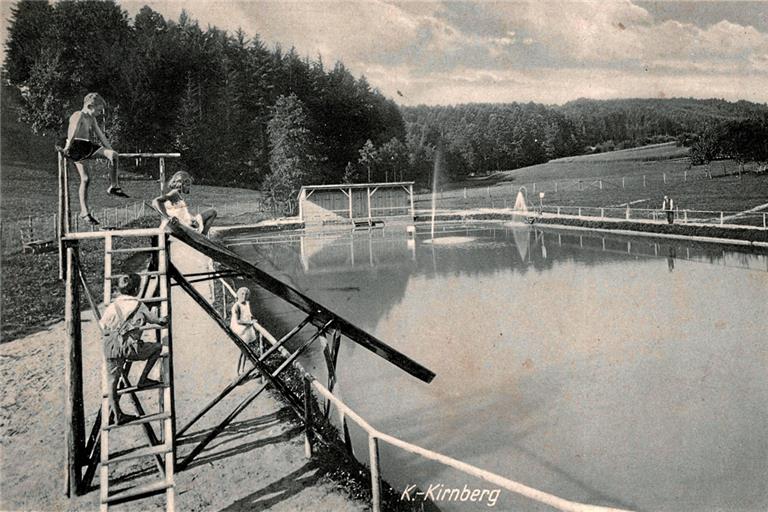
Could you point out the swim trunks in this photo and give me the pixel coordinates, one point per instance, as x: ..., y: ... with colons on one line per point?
x: 81, y: 150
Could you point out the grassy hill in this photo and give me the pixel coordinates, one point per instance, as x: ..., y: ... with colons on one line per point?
x: 641, y: 176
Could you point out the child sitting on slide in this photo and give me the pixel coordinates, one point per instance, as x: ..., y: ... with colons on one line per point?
x: 172, y: 204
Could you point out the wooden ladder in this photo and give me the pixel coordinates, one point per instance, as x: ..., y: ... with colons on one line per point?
x: 160, y: 447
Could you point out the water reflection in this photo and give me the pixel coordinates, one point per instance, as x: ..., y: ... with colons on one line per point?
x: 613, y: 370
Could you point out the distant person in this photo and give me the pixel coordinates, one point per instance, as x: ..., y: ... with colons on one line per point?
x: 173, y: 204
x: 669, y: 206
x: 242, y: 323
x: 83, y: 130
x: 121, y: 327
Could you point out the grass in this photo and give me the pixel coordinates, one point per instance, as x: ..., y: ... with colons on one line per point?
x: 31, y: 189
x: 642, y: 175
x: 33, y: 296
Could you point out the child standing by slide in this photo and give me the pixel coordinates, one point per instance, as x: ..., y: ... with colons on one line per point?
x: 242, y: 323
x: 83, y: 129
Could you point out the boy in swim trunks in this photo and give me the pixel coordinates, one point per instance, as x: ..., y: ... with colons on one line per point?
x: 83, y: 129
x: 173, y: 204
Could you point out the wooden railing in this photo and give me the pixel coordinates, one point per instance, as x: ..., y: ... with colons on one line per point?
x: 375, y: 436
x: 64, y: 217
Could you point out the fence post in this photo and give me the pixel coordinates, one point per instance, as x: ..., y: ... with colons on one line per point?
x: 627, y: 214
x: 685, y: 175
x: 465, y: 192
x: 558, y: 210
x: 622, y: 182
x: 601, y: 184
x: 721, y: 218
x: 685, y: 216
x: 602, y: 212
x: 307, y: 418
x: 534, y: 186
x: 664, y: 176
x: 643, y: 180
x: 555, y: 187
x: 373, y: 453
x: 764, y: 224
x: 579, y: 211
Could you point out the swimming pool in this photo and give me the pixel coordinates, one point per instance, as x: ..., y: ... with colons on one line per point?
x: 610, y: 370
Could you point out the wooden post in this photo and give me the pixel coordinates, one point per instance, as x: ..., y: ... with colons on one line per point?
x: 67, y: 213
x: 107, y: 270
x: 373, y: 453
x: 166, y: 311
x: 350, y: 200
x: 764, y: 221
x: 579, y: 211
x: 161, y: 161
x: 622, y: 182
x: 685, y: 216
x: 685, y: 175
x: 558, y: 210
x: 602, y: 212
x: 721, y: 218
x: 627, y: 214
x: 368, y: 193
x: 308, y: 440
x: 73, y: 377
x: 664, y: 176
x: 601, y: 184
x: 61, y: 226
x: 643, y: 180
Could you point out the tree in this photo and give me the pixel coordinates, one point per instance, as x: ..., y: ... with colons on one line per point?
x: 369, y: 158
x: 292, y: 158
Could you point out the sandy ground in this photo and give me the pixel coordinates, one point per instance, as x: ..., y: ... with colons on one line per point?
x: 256, y: 464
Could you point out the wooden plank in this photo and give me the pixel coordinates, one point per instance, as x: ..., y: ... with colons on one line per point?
x: 322, y: 315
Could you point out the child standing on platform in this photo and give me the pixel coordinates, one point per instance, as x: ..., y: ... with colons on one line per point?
x: 242, y: 323
x: 83, y: 130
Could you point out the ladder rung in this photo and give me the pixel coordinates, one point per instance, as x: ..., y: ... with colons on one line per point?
x: 153, y: 327
x: 137, y: 249
x: 143, y: 419
x: 148, y: 273
x: 139, y: 490
x: 153, y: 299
x: 135, y: 389
x: 141, y: 452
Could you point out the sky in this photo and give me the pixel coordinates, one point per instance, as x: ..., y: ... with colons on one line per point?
x: 425, y: 52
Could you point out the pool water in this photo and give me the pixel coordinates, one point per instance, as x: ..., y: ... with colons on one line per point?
x: 615, y: 371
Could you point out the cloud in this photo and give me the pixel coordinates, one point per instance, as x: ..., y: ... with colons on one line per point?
x: 547, y: 51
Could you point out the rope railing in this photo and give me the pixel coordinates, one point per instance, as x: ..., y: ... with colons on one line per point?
x: 375, y: 435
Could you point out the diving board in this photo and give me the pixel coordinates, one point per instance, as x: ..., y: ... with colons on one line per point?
x: 320, y: 315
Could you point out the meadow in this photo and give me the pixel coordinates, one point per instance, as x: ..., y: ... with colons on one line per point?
x: 639, y: 176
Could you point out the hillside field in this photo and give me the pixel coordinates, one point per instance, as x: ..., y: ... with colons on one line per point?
x: 641, y: 176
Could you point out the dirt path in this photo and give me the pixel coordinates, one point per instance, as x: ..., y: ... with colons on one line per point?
x: 256, y: 464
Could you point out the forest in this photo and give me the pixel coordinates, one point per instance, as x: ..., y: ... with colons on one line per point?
x: 246, y: 113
